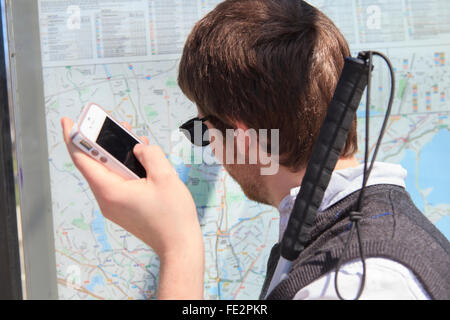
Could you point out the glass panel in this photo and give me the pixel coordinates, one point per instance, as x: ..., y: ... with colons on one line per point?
x: 123, y: 55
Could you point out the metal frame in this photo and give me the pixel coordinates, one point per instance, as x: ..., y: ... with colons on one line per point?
x: 10, y: 273
x: 27, y: 109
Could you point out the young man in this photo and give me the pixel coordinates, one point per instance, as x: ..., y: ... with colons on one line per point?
x: 274, y: 64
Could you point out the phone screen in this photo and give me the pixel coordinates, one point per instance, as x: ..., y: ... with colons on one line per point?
x: 120, y: 145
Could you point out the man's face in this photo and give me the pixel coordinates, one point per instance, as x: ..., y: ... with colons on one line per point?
x: 247, y: 175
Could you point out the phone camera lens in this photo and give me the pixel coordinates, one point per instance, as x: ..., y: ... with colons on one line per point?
x: 103, y: 159
x: 94, y: 153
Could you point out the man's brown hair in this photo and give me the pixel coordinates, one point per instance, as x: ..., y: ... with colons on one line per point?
x: 270, y: 64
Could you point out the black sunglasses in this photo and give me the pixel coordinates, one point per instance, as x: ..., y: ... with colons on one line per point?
x: 197, y: 137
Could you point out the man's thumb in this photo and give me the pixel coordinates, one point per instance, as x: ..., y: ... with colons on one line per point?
x: 154, y: 161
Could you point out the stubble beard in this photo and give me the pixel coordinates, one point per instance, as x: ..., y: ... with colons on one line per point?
x: 250, y: 180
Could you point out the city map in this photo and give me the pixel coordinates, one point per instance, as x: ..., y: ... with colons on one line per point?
x: 124, y: 54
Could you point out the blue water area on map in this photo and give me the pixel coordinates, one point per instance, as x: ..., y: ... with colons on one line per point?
x: 433, y: 168
x: 183, y: 171
x: 409, y: 163
x: 433, y: 174
x: 95, y: 281
x: 361, y: 112
x: 444, y: 226
x: 98, y: 227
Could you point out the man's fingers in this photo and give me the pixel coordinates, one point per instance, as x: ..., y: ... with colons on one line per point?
x: 67, y: 125
x: 154, y: 161
x: 126, y: 125
x: 97, y: 175
x: 145, y: 140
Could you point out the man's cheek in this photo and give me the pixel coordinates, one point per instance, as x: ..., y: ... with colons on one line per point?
x: 217, y: 145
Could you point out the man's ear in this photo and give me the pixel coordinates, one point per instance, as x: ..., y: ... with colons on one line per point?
x: 245, y: 141
x: 240, y: 130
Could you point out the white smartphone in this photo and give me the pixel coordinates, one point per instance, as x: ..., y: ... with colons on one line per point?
x: 103, y: 138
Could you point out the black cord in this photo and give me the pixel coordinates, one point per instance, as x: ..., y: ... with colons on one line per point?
x: 356, y: 216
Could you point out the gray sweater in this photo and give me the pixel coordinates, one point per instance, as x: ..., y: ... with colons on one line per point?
x: 392, y: 227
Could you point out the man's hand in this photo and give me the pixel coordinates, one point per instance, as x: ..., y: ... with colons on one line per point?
x: 158, y: 209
